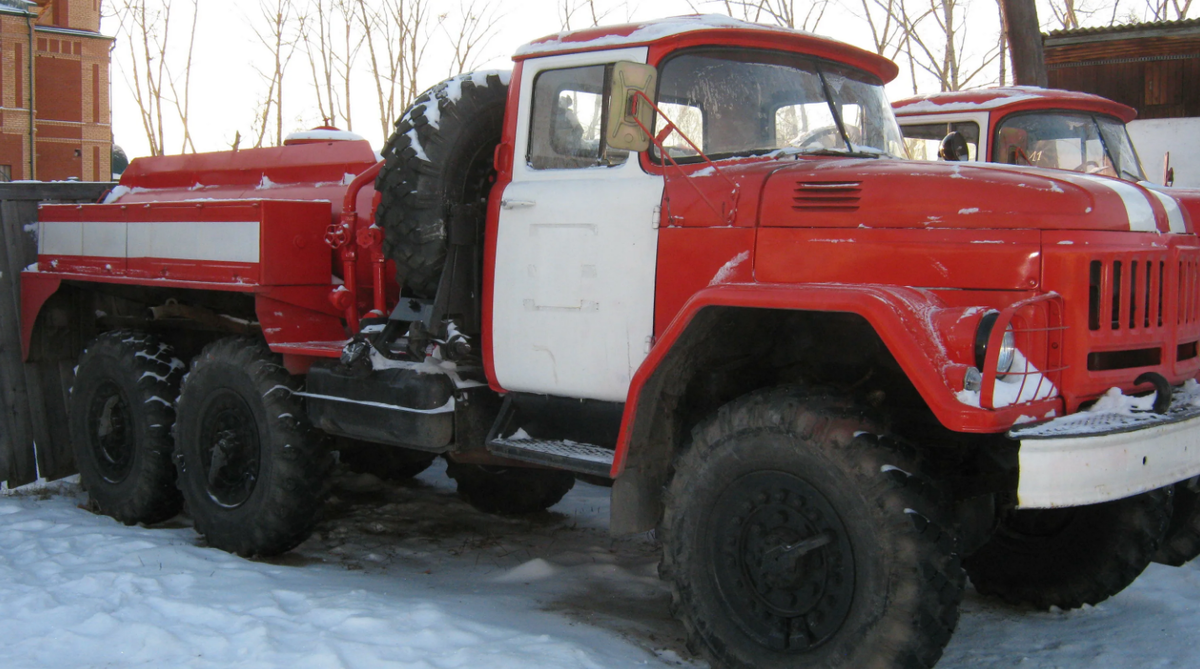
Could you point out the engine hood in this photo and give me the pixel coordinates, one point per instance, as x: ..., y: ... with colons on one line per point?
x: 851, y: 193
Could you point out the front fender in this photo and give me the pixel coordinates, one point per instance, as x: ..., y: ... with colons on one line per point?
x: 901, y: 316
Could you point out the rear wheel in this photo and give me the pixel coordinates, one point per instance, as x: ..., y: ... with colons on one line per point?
x: 121, y: 414
x: 510, y: 491
x: 1071, y: 556
x: 251, y: 466
x: 793, y: 535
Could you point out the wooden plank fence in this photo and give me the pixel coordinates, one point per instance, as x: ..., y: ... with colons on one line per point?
x: 33, y: 395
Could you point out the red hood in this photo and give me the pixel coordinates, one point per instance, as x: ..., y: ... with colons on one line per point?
x: 906, y: 194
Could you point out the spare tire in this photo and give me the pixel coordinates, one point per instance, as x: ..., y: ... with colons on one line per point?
x: 440, y: 155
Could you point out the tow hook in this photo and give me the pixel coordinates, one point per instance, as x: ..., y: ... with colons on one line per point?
x: 1162, y: 390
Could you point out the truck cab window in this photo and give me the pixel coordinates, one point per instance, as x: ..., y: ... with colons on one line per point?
x: 750, y: 102
x: 566, y: 130
x: 1079, y: 142
x: 923, y: 140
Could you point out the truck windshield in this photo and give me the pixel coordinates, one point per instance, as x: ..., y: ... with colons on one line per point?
x: 1074, y: 141
x: 748, y: 102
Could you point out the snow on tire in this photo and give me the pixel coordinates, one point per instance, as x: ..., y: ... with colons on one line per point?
x: 251, y: 466
x: 440, y: 156
x: 120, y: 417
x: 793, y: 535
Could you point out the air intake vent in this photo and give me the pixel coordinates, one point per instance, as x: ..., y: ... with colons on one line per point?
x: 826, y: 195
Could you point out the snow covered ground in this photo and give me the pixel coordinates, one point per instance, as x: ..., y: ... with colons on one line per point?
x: 408, y: 576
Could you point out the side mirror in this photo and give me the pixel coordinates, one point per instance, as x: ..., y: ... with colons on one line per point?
x: 621, y: 130
x: 954, y: 148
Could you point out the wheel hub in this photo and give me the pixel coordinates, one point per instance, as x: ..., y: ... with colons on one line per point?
x: 111, y: 433
x: 783, y: 561
x: 230, y: 449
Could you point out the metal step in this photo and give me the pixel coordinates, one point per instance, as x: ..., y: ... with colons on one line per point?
x: 570, y: 455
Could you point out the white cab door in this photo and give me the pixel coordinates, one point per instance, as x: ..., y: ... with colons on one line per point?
x: 573, y: 298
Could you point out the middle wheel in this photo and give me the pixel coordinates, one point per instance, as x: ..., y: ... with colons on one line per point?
x: 510, y: 491
x: 251, y: 467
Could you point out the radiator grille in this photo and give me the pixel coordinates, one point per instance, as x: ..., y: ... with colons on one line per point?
x: 826, y: 195
x: 1128, y: 292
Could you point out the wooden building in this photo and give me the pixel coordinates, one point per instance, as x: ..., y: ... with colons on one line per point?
x: 55, y: 121
x: 1152, y: 67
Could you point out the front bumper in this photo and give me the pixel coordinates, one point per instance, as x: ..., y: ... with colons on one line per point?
x: 1093, y: 457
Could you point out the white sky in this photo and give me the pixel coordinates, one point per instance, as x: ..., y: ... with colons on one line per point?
x: 226, y: 90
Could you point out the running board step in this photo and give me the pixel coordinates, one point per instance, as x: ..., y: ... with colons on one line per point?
x: 569, y: 455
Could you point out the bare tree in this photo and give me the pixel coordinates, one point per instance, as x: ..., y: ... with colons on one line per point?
x: 279, y: 34
x: 397, y: 37
x: 779, y: 12
x: 333, y: 37
x: 151, y: 79
x: 936, y: 41
x: 1167, y: 10
x: 583, y: 12
x: 471, y: 30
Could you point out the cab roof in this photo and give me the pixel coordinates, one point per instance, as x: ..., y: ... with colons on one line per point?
x: 708, y: 29
x: 1011, y: 98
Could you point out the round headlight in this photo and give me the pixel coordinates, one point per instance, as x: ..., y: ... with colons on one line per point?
x: 1008, y: 344
x: 1008, y: 352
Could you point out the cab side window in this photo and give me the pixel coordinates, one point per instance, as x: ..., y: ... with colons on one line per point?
x: 924, y: 140
x: 567, y: 124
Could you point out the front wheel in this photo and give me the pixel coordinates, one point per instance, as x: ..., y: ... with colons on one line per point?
x: 251, y: 466
x: 793, y: 535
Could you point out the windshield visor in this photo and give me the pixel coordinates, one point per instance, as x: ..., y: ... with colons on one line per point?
x: 743, y: 102
x: 1068, y: 141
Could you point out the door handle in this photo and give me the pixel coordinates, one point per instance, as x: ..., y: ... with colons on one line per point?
x: 517, y: 204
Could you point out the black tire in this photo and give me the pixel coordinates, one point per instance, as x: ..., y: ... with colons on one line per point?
x: 510, y: 491
x: 238, y: 414
x: 1182, y: 543
x: 432, y: 166
x: 1071, y: 556
x: 121, y: 414
x: 879, y: 581
x: 390, y: 463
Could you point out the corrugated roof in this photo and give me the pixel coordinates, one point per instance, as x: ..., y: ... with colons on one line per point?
x: 1185, y: 25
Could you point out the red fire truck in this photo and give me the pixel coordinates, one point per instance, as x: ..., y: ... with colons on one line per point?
x: 682, y: 258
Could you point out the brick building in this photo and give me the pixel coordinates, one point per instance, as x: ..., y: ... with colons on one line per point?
x: 54, y: 91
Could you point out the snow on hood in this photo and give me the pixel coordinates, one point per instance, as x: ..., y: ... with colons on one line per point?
x: 640, y: 33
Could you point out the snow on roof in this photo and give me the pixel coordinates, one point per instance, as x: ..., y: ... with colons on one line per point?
x: 641, y: 33
x: 985, y: 99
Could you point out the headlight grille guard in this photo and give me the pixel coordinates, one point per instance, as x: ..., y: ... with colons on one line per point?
x: 1038, y: 326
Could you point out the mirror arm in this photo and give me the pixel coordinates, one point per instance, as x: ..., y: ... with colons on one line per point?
x: 658, y: 141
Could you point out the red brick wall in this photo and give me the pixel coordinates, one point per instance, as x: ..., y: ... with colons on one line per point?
x: 56, y: 162
x: 12, y: 149
x: 59, y: 89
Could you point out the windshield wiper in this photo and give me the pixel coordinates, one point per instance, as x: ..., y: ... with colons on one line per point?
x: 833, y: 152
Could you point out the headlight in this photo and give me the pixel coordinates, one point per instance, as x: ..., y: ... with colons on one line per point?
x: 1008, y: 344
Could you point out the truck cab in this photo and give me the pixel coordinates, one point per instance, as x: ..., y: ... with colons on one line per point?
x: 685, y: 258
x: 1025, y: 125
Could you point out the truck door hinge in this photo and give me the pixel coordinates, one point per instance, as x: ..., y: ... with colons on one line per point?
x: 656, y: 216
x: 649, y: 344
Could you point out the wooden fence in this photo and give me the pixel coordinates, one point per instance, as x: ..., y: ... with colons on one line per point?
x: 33, y: 396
